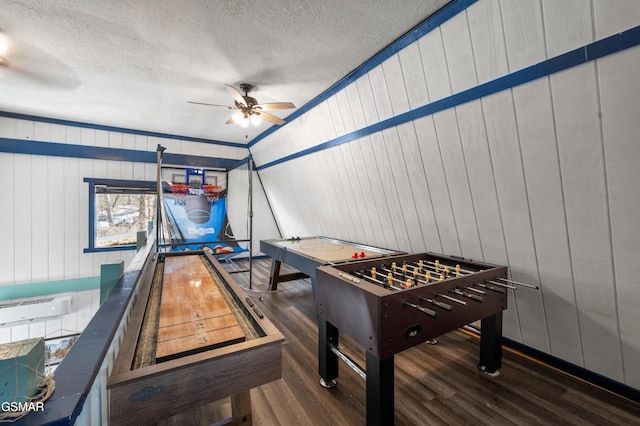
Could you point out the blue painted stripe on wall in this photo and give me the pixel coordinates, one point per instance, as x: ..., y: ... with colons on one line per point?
x: 119, y: 182
x: 433, y: 22
x: 239, y: 163
x: 582, y: 55
x: 115, y: 129
x: 18, y: 146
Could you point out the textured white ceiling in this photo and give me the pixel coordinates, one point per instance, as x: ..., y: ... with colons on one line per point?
x: 135, y: 63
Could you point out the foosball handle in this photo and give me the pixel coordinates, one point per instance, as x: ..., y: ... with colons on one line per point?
x: 440, y: 305
x: 420, y: 308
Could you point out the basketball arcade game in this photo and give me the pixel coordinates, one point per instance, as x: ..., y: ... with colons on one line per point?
x: 195, y: 210
x: 192, y: 212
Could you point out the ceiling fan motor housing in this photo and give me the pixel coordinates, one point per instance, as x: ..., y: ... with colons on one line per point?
x: 246, y: 88
x: 249, y: 101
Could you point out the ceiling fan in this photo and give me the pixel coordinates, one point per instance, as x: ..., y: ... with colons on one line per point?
x: 248, y: 108
x: 22, y: 62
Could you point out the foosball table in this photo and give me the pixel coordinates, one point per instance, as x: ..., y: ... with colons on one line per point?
x: 392, y: 304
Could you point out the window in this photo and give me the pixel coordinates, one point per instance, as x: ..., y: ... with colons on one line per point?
x: 118, y: 209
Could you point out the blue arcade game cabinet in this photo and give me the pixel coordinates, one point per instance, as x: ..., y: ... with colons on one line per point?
x: 196, y: 211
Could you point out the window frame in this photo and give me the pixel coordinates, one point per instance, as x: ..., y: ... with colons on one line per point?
x: 120, y: 183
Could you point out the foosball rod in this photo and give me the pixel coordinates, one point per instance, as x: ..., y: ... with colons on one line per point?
x: 351, y: 363
x: 426, y: 267
x: 475, y: 290
x: 503, y: 279
x: 370, y: 278
x: 415, y: 275
x: 490, y: 287
x: 439, y: 270
x: 519, y: 283
x: 419, y: 308
x: 438, y: 294
x: 476, y: 298
x: 440, y: 265
x: 503, y: 285
x: 462, y: 302
x: 470, y: 296
x: 417, y: 268
x: 469, y: 273
x: 389, y: 272
x: 441, y: 305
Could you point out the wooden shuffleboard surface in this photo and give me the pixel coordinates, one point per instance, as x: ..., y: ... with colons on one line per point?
x: 194, y: 316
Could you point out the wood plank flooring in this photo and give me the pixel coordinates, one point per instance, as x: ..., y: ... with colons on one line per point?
x: 434, y: 384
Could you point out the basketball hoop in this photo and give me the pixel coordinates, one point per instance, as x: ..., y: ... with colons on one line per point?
x: 212, y: 192
x: 179, y: 192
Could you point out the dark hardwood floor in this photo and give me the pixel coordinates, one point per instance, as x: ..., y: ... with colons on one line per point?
x: 434, y: 384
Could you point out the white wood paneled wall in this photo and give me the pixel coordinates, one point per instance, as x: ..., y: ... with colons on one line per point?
x: 44, y: 218
x: 541, y: 177
x: 264, y: 225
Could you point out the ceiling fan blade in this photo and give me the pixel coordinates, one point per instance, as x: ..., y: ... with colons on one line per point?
x: 272, y: 118
x: 230, y: 121
x: 276, y: 105
x: 236, y: 95
x: 213, y: 105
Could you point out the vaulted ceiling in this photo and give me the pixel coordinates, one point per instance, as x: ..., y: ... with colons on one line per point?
x: 134, y: 64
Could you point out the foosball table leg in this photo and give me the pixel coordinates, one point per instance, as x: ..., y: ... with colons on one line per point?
x: 491, y: 344
x: 380, y: 392
x: 328, y: 361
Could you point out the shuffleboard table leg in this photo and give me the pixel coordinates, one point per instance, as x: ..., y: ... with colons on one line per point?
x: 241, y: 408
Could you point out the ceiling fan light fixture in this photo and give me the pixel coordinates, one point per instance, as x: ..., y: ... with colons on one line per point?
x: 255, y: 119
x: 4, y: 49
x: 238, y: 116
x: 4, y: 45
x: 248, y: 110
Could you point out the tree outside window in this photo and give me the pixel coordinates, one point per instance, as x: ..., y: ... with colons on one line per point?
x: 118, y: 210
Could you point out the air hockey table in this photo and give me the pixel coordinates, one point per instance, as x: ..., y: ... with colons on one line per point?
x: 308, y: 253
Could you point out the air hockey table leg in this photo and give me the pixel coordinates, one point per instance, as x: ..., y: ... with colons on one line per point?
x: 274, y: 275
x: 491, y: 344
x: 380, y: 392
x: 327, y: 361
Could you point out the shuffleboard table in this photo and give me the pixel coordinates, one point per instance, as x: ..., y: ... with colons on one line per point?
x: 307, y: 254
x: 193, y: 337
